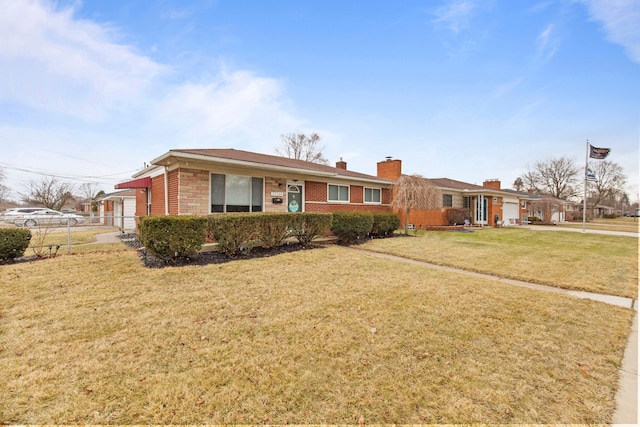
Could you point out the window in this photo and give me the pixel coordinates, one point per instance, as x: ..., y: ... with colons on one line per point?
x: 338, y: 193
x: 447, y: 200
x: 372, y: 195
x: 466, y: 202
x: 232, y: 193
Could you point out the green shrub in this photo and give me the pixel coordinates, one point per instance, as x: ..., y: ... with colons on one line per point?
x: 350, y: 226
x: 456, y: 216
x: 307, y: 226
x: 13, y: 243
x: 173, y: 237
x: 384, y: 224
x: 235, y: 233
x: 273, y: 228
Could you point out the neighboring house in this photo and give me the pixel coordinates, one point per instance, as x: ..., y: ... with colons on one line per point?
x: 205, y: 181
x: 552, y: 210
x: 486, y: 202
x: 119, y: 209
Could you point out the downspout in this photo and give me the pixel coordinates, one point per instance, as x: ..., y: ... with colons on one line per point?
x: 166, y: 190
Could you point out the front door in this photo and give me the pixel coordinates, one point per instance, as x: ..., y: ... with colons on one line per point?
x: 481, y: 210
x: 294, y: 197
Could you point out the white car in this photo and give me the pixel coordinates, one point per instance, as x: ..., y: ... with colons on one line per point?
x: 10, y: 214
x: 46, y: 217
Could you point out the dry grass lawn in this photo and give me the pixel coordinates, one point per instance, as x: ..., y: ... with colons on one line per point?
x: 626, y: 224
x: 321, y: 336
x: 587, y: 262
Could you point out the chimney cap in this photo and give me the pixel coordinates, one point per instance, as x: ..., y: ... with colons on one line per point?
x: 388, y: 158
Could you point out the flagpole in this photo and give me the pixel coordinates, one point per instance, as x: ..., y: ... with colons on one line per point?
x: 584, y: 200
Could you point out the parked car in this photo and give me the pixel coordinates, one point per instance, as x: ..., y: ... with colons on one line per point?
x: 47, y: 217
x: 10, y: 214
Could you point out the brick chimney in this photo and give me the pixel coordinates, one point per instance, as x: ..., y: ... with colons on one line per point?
x: 491, y: 183
x: 390, y: 169
x: 341, y: 164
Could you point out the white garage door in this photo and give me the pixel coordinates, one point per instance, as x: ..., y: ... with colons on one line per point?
x: 511, y: 211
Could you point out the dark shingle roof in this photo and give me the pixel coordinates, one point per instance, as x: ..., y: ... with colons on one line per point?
x: 455, y: 185
x: 266, y: 159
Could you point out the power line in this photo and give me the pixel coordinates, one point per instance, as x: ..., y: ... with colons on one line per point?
x: 43, y: 172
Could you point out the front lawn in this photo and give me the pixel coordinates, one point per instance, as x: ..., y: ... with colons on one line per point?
x: 587, y: 262
x: 321, y: 336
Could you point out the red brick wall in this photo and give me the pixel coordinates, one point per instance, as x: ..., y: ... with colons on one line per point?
x: 316, y: 191
x: 344, y: 207
x: 421, y: 218
x: 356, y: 194
x: 390, y: 169
x: 141, y: 202
x: 387, y: 194
x: 157, y: 195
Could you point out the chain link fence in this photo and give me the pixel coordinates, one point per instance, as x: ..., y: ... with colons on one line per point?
x: 91, y: 233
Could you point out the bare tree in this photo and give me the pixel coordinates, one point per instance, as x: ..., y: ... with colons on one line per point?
x: 89, y: 192
x: 557, y: 177
x: 518, y: 184
x: 415, y: 192
x: 302, y: 147
x: 609, y: 183
x: 4, y: 190
x: 48, y: 192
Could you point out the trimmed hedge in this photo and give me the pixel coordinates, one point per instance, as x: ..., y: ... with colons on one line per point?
x: 274, y: 228
x: 384, y: 224
x: 350, y: 226
x: 307, y: 226
x: 234, y: 232
x: 13, y: 243
x: 238, y: 233
x: 173, y: 237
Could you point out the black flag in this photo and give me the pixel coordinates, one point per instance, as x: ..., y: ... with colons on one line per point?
x: 598, y: 153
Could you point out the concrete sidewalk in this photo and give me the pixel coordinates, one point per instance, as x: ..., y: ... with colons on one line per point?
x: 627, y: 396
x: 579, y: 230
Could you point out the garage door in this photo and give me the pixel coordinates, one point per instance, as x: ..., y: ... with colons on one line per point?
x: 511, y: 211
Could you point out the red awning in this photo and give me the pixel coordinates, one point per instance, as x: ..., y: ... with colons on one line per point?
x: 136, y: 183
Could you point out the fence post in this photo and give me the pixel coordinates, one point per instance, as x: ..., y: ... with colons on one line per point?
x: 68, y: 237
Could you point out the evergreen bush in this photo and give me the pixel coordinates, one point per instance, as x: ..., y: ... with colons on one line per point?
x: 235, y: 233
x: 13, y: 243
x: 350, y: 226
x: 384, y: 224
x: 307, y: 226
x: 173, y: 237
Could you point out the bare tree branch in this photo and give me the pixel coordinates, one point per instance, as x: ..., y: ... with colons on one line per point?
x: 609, y: 184
x: 4, y: 190
x: 556, y: 177
x: 302, y: 147
x: 415, y: 192
x: 48, y: 192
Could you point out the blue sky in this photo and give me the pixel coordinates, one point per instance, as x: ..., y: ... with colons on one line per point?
x: 463, y: 89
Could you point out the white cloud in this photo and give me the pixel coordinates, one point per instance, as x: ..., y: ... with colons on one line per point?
x: 50, y: 60
x: 454, y: 15
x: 60, y: 75
x: 234, y: 107
x: 547, y: 43
x: 621, y: 22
